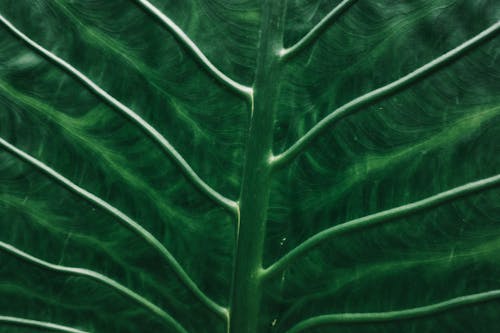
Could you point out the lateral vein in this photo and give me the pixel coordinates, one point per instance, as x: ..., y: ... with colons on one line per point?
x: 380, y: 217
x: 181, y: 36
x: 382, y: 92
x: 39, y: 324
x: 124, y: 219
x: 316, y: 31
x: 171, y: 152
x: 97, y: 277
x: 411, y: 313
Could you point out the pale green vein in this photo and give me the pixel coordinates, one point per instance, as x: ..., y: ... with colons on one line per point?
x: 38, y: 214
x: 374, y: 317
x: 134, y: 117
x: 74, y: 128
x: 462, y: 128
x: 384, y: 91
x: 315, y: 32
x: 380, y: 217
x: 360, y: 274
x: 96, y: 277
x: 38, y: 324
x: 123, y: 218
x: 193, y: 48
x: 120, y: 51
x: 35, y: 210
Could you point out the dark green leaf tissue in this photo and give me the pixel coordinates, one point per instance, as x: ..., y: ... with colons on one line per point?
x: 250, y: 166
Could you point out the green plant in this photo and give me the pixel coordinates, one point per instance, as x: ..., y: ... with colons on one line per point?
x: 409, y: 132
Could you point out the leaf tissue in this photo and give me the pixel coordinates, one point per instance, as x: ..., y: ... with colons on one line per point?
x: 247, y: 166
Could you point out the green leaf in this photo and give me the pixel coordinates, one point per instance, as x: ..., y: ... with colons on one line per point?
x: 249, y: 166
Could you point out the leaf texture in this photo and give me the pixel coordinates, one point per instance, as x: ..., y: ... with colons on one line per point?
x: 124, y: 128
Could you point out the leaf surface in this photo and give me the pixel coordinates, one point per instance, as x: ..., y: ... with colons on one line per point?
x: 86, y: 185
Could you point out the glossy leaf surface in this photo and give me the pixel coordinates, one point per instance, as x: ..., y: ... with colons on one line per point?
x: 124, y: 147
